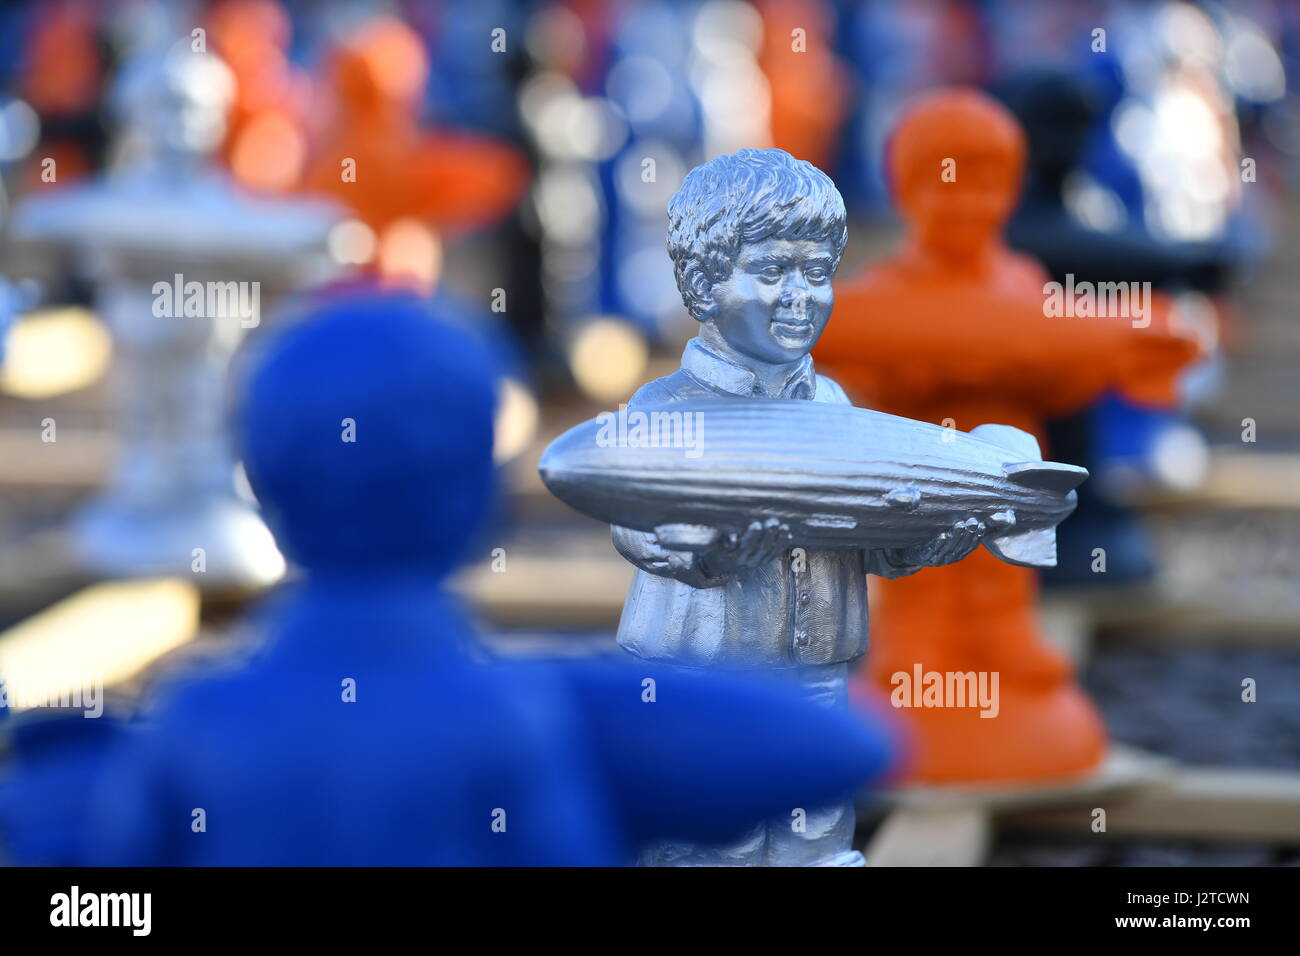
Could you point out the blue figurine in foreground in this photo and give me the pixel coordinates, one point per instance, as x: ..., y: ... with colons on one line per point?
x: 364, y: 732
x: 52, y: 757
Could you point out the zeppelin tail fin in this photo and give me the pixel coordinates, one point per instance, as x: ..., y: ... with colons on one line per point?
x: 1046, y: 475
x: 1029, y: 469
x: 1032, y: 549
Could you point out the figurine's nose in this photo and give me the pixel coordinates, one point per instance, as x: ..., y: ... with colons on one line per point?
x: 795, y: 289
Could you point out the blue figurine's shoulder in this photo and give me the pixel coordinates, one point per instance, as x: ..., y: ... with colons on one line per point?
x: 414, y: 761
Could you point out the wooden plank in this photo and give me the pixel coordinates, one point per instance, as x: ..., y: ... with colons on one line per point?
x: 52, y: 351
x: 1203, y: 803
x: 106, y: 633
x: 935, y: 836
x: 78, y: 458
x: 539, y: 591
x: 1242, y: 479
x: 1067, y: 626
x: 36, y: 570
x: 1125, y: 769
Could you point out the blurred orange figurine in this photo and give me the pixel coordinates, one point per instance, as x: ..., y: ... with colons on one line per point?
x: 958, y: 330
x: 808, y: 81
x: 266, y: 131
x: 405, y: 184
x: 60, y: 78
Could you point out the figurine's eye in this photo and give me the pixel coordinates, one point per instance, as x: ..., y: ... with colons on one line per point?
x: 771, y: 272
x: 817, y: 273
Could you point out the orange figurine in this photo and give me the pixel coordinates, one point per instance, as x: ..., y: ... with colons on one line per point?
x: 266, y: 132
x: 406, y: 184
x: 809, y: 83
x: 60, y: 79
x: 958, y: 330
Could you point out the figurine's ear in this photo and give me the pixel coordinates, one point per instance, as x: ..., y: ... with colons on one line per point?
x: 705, y: 307
x: 697, y: 292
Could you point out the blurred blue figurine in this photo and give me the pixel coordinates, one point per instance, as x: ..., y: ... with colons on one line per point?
x: 52, y: 756
x: 363, y: 732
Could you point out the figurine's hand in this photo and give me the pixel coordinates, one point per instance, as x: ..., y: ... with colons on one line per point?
x: 644, y: 550
x: 950, y: 546
x: 760, y: 543
x: 673, y: 561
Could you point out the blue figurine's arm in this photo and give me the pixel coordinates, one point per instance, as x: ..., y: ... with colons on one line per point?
x: 703, y: 756
x: 128, y: 814
x: 137, y: 817
x: 45, y: 791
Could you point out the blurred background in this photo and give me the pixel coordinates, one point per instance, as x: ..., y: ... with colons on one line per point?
x: 516, y: 159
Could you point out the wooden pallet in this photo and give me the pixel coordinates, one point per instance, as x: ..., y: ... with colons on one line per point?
x: 1202, y: 803
x: 1143, y: 795
x: 108, y: 632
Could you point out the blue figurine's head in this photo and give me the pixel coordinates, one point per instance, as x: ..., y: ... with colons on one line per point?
x: 755, y: 238
x: 366, y: 433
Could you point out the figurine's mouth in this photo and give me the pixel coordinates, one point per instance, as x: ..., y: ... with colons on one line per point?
x: 792, y: 328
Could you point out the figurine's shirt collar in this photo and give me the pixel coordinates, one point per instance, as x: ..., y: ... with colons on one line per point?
x: 715, y: 371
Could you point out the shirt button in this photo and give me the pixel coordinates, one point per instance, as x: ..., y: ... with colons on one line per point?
x: 803, y: 598
x: 801, y: 638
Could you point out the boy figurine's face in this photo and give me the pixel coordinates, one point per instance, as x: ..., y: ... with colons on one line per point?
x: 774, y: 305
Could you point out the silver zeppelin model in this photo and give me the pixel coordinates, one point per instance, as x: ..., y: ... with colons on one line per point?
x: 838, y: 476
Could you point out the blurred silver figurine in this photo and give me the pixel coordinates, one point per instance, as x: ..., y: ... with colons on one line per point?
x: 756, y: 537
x: 183, y: 265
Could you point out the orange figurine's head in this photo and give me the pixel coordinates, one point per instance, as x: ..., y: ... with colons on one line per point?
x: 955, y: 162
x: 380, y: 71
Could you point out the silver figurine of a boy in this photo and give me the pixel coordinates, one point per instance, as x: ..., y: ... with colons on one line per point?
x: 755, y: 238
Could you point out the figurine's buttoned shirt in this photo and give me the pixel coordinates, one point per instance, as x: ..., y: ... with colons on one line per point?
x: 807, y: 607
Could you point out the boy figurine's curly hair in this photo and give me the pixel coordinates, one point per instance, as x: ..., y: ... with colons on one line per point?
x: 746, y: 196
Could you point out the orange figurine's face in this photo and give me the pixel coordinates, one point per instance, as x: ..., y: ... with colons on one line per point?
x: 955, y: 161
